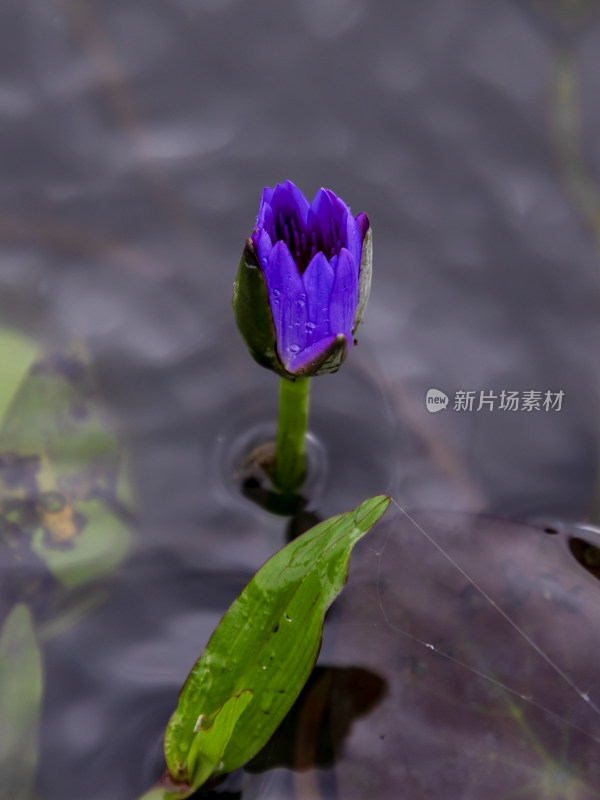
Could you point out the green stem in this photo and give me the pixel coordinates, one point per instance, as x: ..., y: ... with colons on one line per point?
x: 290, y: 453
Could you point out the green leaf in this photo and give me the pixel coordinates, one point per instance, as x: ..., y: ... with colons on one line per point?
x: 55, y: 415
x: 159, y: 793
x: 266, y: 645
x: 98, y: 548
x: 212, y: 737
x: 62, y: 480
x: 21, y: 680
x: 167, y: 790
x: 17, y: 353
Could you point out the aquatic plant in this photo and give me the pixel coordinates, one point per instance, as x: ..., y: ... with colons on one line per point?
x: 300, y: 293
x: 260, y: 655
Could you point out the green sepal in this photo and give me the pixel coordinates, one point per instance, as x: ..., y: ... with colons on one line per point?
x: 252, y: 311
x: 364, y: 277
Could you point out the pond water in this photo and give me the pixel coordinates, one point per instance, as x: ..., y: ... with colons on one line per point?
x: 135, y: 142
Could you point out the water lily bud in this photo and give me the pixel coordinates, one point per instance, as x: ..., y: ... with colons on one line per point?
x: 303, y: 281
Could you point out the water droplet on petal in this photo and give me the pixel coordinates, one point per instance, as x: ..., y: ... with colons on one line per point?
x: 294, y: 348
x: 309, y: 327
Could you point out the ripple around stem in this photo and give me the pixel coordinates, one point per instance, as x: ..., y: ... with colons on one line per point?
x: 245, y: 453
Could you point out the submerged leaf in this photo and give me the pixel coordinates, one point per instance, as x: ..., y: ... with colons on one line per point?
x: 17, y: 353
x: 61, y: 479
x: 21, y: 681
x: 266, y: 645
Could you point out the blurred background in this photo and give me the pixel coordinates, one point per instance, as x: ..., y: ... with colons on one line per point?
x: 135, y: 140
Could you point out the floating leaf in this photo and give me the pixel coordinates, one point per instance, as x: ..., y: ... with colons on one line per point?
x: 61, y: 476
x: 266, y: 646
x: 55, y: 415
x: 17, y: 353
x: 473, y: 707
x: 101, y: 545
x: 21, y: 680
x: 213, y: 734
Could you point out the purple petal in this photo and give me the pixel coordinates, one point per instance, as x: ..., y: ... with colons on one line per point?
x: 353, y: 239
x: 288, y: 302
x: 323, y: 207
x: 264, y: 220
x: 310, y: 353
x: 338, y: 204
x: 344, y: 295
x: 263, y: 248
x: 290, y: 202
x: 318, y: 281
x: 265, y: 213
x: 267, y: 195
x: 363, y: 224
x: 320, y: 213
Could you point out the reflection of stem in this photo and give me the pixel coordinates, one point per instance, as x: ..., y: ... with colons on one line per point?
x: 566, y: 129
x: 290, y: 454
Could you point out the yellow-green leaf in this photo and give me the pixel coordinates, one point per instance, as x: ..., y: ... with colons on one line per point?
x: 21, y: 681
x: 17, y: 354
x: 62, y: 481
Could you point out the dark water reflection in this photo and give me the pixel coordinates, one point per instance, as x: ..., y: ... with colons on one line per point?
x: 135, y: 140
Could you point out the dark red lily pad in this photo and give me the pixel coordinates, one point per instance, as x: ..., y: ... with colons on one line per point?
x: 493, y: 697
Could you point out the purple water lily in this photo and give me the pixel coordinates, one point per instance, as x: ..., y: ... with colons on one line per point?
x: 311, y: 256
x: 298, y: 297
